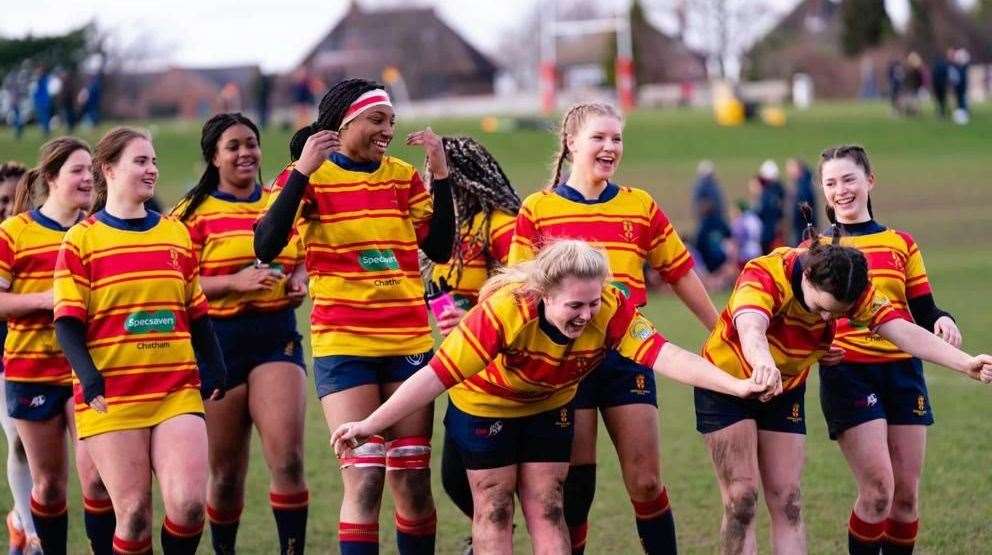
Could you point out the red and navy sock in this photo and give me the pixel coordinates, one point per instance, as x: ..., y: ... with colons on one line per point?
x: 416, y: 537
x: 900, y: 537
x: 135, y: 547
x: 100, y: 524
x: 577, y: 535
x: 52, y: 524
x: 223, y: 529
x: 290, y: 511
x: 358, y: 539
x: 180, y: 540
x: 656, y: 525
x: 864, y: 538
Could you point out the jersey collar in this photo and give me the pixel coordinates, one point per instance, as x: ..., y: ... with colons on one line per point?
x: 131, y: 224
x: 255, y: 195
x: 348, y: 164
x: 549, y: 329
x: 566, y: 191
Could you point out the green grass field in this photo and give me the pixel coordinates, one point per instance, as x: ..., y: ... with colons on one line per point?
x: 932, y: 181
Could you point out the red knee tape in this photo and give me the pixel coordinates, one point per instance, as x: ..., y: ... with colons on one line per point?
x: 903, y: 533
x: 352, y: 532
x: 646, y: 510
x: 217, y: 516
x: 865, y: 531
x: 129, y: 547
x: 97, y: 506
x: 372, y: 453
x: 289, y: 501
x: 180, y: 531
x: 408, y: 453
x: 423, y: 527
x: 48, y: 511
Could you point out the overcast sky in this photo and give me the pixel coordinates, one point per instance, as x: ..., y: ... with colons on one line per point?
x: 275, y: 33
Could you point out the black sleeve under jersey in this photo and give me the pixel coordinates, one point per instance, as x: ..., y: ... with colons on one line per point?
x: 925, y: 311
x: 272, y: 231
x: 71, y: 334
x: 209, y: 357
x: 441, y: 233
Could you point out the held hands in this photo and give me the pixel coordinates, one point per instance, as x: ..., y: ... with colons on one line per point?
x: 980, y: 368
x: 317, y: 148
x: 946, y: 329
x: 770, y: 378
x: 296, y: 287
x: 437, y: 162
x: 349, y: 436
x: 254, y: 278
x: 449, y: 319
x: 833, y: 356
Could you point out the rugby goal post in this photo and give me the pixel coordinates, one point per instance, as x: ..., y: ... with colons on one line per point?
x: 552, y: 29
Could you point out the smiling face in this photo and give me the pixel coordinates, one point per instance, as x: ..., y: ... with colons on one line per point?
x: 597, y: 147
x: 132, y: 178
x: 72, y: 187
x: 846, y: 188
x: 822, y: 303
x: 237, y: 157
x: 366, y: 138
x: 572, y: 304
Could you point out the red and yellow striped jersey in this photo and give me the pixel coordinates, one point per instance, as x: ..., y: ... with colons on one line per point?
x: 29, y: 247
x: 628, y: 225
x: 360, y: 233
x: 505, y: 360
x: 474, y: 269
x: 896, y: 269
x: 797, y: 338
x: 221, y: 228
x: 136, y: 288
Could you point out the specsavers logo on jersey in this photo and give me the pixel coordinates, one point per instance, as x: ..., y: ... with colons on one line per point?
x: 378, y: 260
x: 150, y: 321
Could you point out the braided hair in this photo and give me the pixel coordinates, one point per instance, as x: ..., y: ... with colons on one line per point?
x: 830, y: 267
x: 479, y: 186
x: 854, y: 153
x: 213, y: 128
x: 331, y: 111
x: 571, y: 123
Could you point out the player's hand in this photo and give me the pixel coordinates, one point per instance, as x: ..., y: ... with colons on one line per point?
x: 749, y: 389
x: 946, y: 329
x: 980, y: 368
x: 437, y: 162
x: 98, y: 404
x: 833, y: 356
x: 349, y: 436
x: 317, y: 148
x: 449, y: 319
x: 254, y: 278
x: 769, y: 376
x: 296, y: 287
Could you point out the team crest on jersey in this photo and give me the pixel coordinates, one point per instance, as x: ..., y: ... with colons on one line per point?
x: 174, y: 260
x: 563, y: 421
x: 471, y: 248
x: 796, y: 415
x: 642, y: 329
x: 921, y: 406
x: 629, y: 234
x: 897, y: 261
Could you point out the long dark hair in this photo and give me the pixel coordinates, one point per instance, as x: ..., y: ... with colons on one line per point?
x: 213, y: 128
x: 854, y: 153
x: 331, y: 111
x: 32, y: 188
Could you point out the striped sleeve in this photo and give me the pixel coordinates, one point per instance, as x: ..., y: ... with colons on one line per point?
x: 277, y: 186
x: 917, y: 282
x: 632, y: 335
x: 470, y: 348
x: 522, y: 246
x: 872, y: 310
x: 71, y: 283
x: 755, y: 291
x: 196, y: 300
x: 666, y: 252
x: 501, y: 237
x: 421, y: 207
x: 7, y: 249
